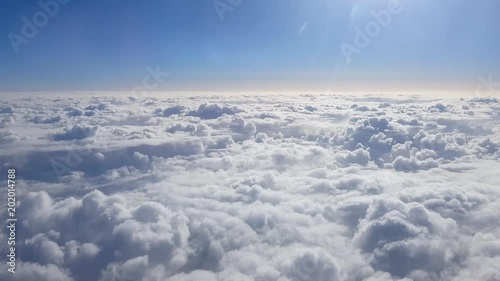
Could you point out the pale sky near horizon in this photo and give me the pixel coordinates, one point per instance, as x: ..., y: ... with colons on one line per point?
x: 251, y: 45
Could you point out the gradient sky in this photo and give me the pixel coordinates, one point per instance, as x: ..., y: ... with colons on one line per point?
x: 260, y: 44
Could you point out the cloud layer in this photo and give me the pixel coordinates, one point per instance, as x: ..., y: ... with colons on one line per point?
x: 266, y: 188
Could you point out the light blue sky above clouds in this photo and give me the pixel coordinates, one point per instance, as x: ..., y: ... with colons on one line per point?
x: 258, y: 44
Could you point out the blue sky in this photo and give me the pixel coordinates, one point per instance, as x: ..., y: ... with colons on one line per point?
x: 257, y: 44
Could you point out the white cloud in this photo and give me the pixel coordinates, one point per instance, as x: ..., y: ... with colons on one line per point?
x: 76, y: 132
x: 281, y: 188
x: 213, y: 111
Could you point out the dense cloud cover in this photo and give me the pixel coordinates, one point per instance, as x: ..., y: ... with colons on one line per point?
x: 265, y: 188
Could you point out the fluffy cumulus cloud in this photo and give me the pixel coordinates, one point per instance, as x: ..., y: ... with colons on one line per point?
x: 265, y: 188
